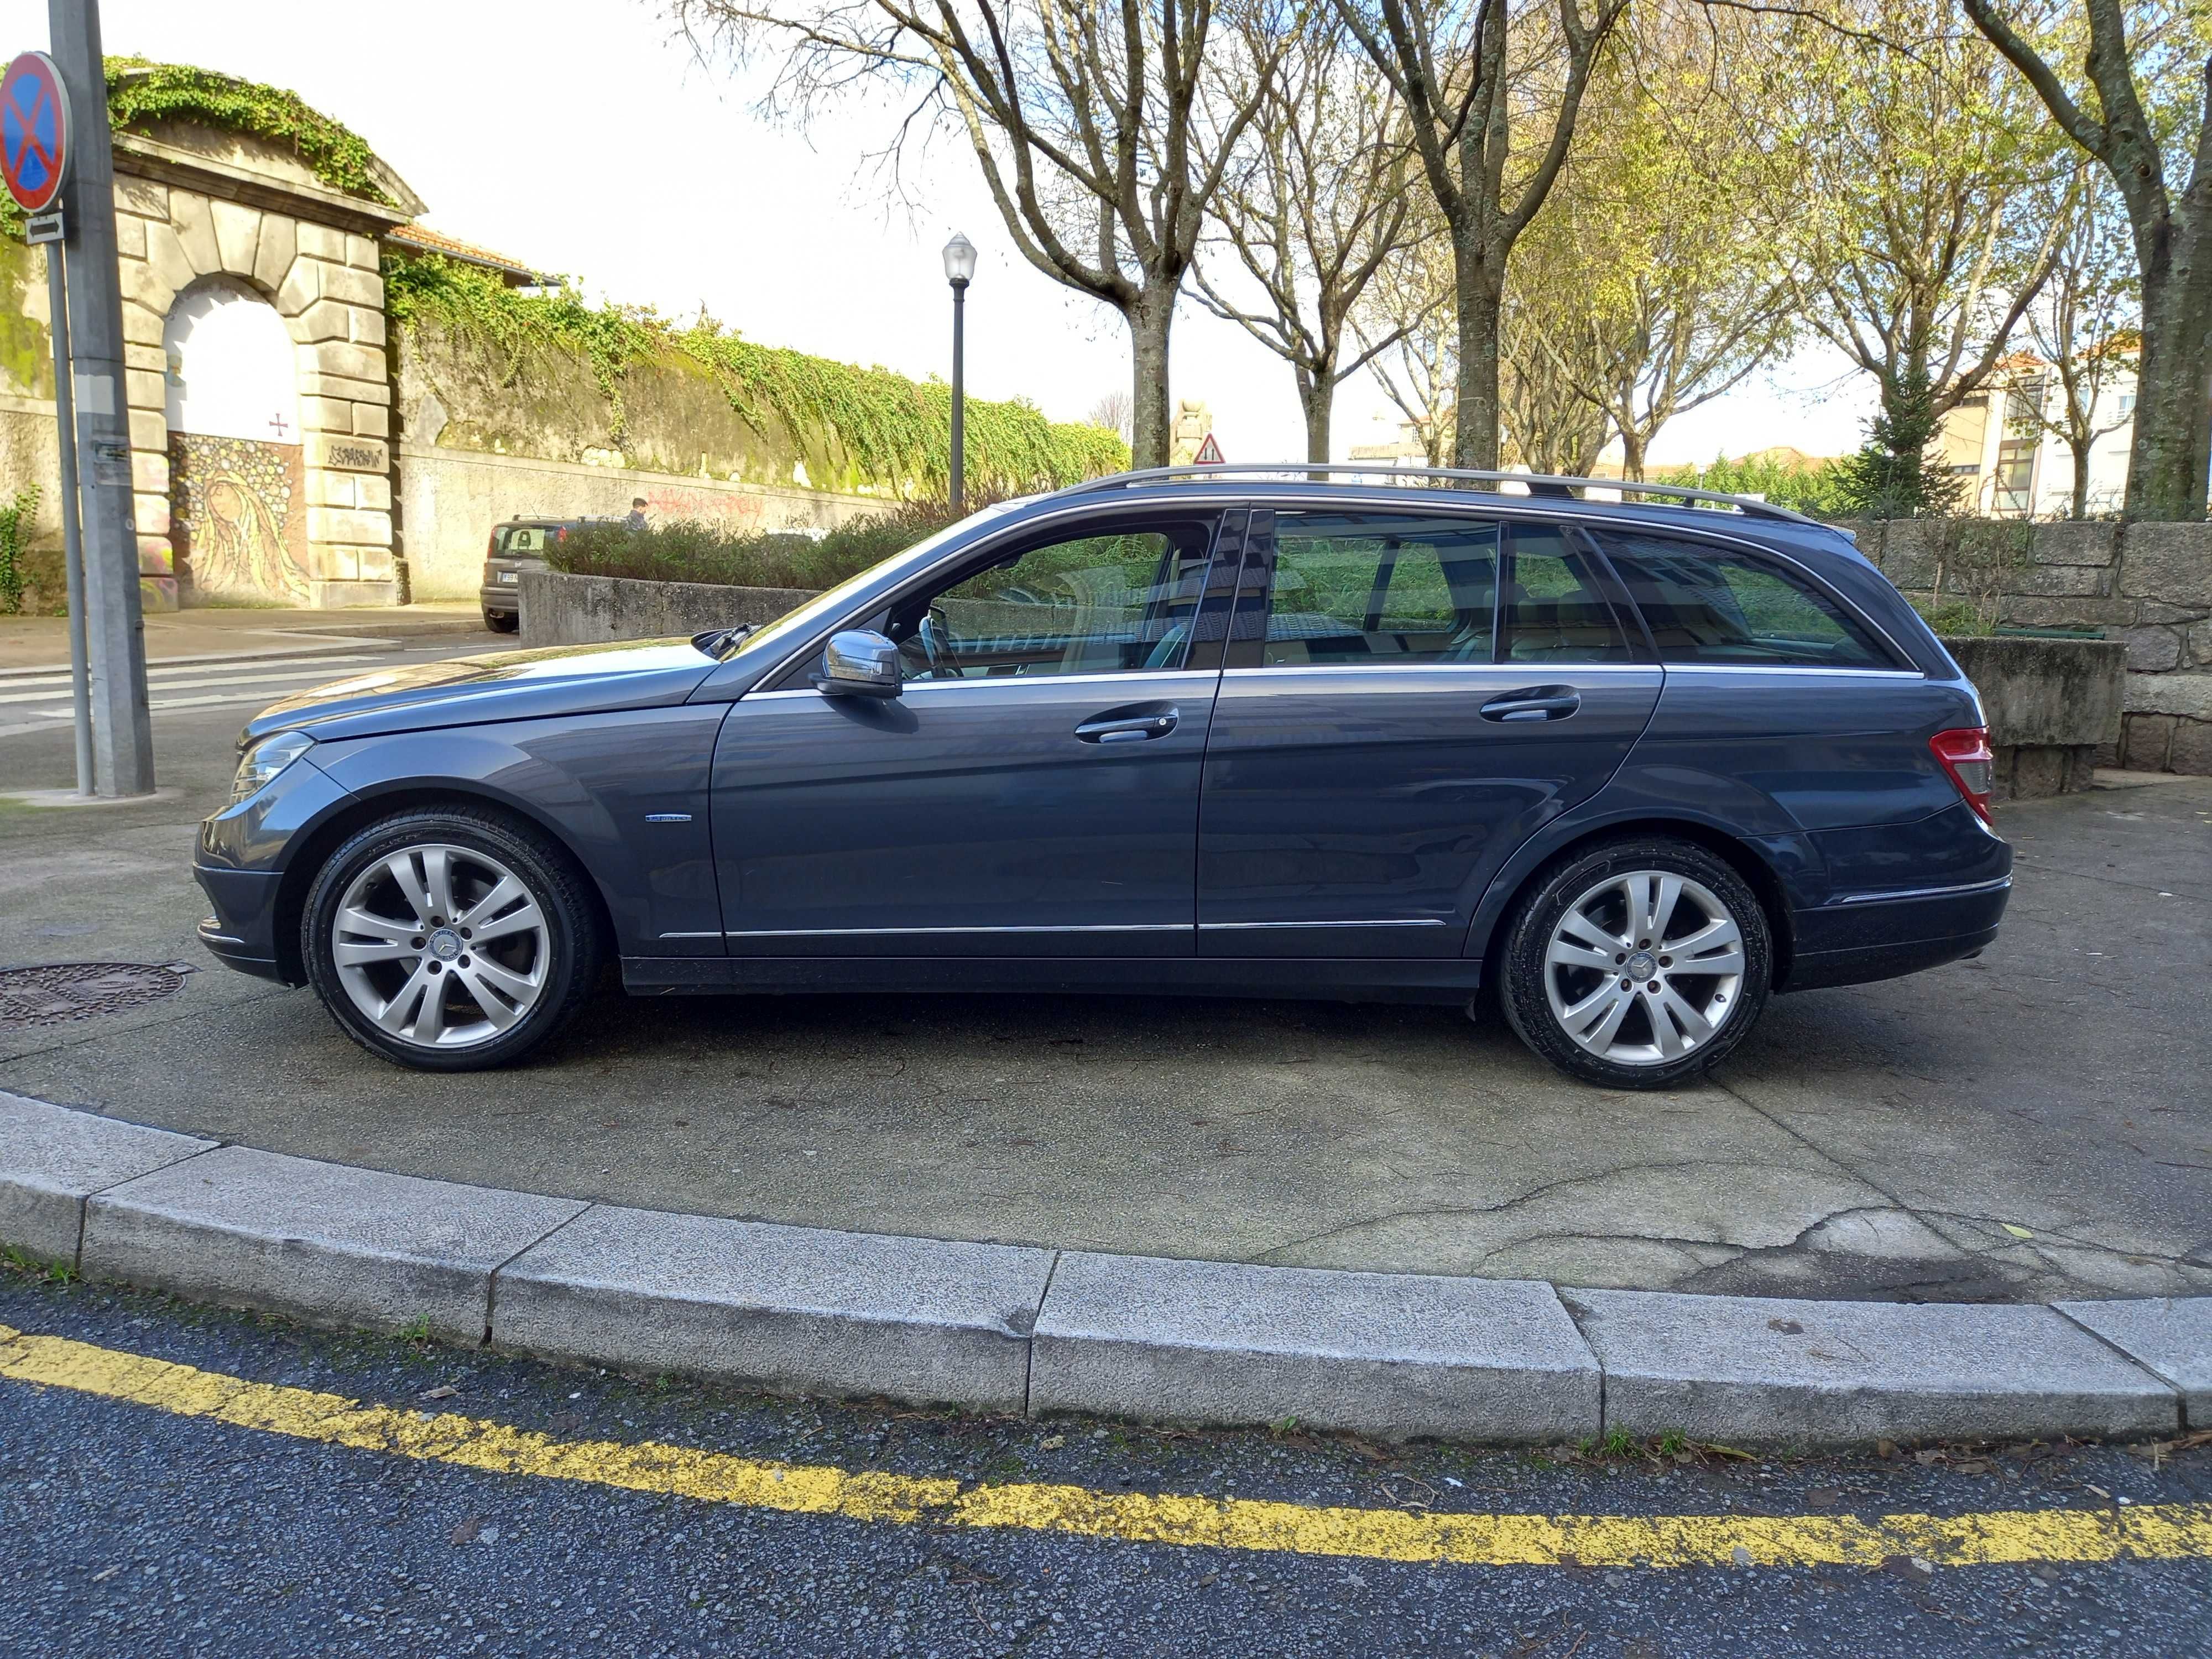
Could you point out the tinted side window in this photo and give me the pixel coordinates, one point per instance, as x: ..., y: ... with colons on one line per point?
x: 1714, y: 605
x: 1386, y: 588
x: 1090, y: 604
x: 1553, y: 609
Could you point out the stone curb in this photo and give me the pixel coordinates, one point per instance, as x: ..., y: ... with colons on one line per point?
x: 1014, y: 1328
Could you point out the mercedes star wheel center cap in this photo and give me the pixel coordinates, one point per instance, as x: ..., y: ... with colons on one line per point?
x: 1642, y: 964
x: 445, y: 944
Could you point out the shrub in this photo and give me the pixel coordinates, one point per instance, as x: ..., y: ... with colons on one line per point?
x: 684, y: 550
x: 17, y: 519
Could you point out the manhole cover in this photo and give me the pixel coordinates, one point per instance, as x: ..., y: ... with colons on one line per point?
x: 64, y: 991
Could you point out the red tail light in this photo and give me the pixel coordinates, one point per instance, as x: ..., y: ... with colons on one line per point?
x: 1964, y: 753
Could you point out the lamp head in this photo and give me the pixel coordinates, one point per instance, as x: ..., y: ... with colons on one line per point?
x: 959, y: 261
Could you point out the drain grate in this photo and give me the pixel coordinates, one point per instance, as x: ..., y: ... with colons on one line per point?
x: 62, y: 992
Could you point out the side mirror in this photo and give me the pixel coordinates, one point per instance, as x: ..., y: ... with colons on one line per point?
x: 860, y: 662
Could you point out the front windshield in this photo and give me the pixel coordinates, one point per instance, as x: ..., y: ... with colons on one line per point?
x: 829, y: 601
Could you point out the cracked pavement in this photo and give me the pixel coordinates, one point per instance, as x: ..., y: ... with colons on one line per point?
x: 2031, y: 1124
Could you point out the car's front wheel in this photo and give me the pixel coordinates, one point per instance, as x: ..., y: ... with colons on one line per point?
x: 450, y: 940
x: 1637, y: 964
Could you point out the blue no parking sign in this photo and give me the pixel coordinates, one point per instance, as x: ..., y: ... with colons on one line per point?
x: 34, y: 134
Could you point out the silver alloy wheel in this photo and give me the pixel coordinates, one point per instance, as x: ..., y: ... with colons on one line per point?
x: 441, y: 946
x: 1645, y: 967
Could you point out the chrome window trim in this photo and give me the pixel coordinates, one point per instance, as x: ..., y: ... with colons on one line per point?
x: 1790, y: 668
x: 1510, y: 670
x: 1997, y: 885
x: 907, y: 689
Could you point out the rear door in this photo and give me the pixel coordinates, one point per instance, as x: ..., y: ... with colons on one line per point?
x: 1394, y: 720
x: 1033, y: 790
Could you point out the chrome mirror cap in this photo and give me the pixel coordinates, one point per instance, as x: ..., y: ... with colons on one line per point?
x: 858, y: 662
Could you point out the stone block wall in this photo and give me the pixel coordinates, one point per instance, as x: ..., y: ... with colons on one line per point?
x: 323, y: 282
x: 2148, y: 585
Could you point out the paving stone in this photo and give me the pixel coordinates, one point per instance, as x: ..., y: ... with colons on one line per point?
x: 2171, y: 1335
x: 788, y: 1307
x: 1388, y: 1354
x: 321, y: 1242
x: 1774, y: 1370
x: 52, y: 1159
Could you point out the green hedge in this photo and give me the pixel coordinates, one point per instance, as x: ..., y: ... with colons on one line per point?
x: 681, y: 550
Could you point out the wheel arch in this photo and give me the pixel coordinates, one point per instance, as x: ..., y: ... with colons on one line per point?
x: 316, y: 845
x: 1529, y: 867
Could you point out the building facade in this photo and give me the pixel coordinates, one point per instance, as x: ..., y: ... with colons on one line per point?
x: 2005, y: 444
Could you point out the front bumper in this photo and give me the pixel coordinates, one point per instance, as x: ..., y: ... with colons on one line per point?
x: 242, y: 932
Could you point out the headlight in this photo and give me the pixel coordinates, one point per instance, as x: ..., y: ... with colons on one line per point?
x: 260, y: 765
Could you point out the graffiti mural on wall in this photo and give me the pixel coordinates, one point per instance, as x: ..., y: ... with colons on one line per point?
x: 235, y: 518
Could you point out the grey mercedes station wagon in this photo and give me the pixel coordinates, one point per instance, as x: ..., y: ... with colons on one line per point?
x: 1633, y: 768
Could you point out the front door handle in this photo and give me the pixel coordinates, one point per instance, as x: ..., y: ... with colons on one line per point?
x: 1124, y: 726
x: 1533, y: 702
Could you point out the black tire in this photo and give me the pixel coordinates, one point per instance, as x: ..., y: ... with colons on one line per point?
x: 567, y: 930
x: 1527, y: 979
x: 503, y: 621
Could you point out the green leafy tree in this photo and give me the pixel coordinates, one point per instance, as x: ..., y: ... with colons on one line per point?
x: 1893, y: 475
x: 1903, y: 161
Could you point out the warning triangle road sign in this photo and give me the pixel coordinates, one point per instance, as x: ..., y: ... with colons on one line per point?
x: 1209, y: 454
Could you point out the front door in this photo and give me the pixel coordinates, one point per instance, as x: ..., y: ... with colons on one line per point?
x: 1033, y: 790
x: 1393, y: 721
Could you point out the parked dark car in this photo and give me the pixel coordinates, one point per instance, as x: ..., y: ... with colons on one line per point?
x: 1636, y: 767
x: 518, y: 545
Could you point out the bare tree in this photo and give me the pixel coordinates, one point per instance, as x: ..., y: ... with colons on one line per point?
x: 1465, y: 71
x: 1313, y: 209
x: 2084, y: 326
x: 1090, y: 119
x: 1112, y: 411
x: 2162, y: 170
x: 1408, y: 331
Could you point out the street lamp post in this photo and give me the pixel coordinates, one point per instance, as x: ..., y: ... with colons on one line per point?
x: 959, y: 271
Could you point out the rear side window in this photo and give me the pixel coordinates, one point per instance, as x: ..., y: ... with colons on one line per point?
x: 1553, y: 609
x: 1715, y: 606
x: 525, y: 540
x: 1381, y: 588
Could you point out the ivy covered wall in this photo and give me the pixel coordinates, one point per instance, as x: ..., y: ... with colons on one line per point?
x: 486, y: 367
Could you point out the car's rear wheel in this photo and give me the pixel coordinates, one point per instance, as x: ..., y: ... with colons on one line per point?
x: 503, y: 621
x: 450, y: 940
x: 1637, y: 964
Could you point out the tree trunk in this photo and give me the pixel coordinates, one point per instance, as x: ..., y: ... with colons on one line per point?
x: 2167, y: 456
x: 2080, y: 449
x: 1315, y: 395
x: 1631, y: 454
x: 1475, y: 443
x: 1150, y: 414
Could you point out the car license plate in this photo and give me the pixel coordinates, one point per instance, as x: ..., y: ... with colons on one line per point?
x: 510, y: 576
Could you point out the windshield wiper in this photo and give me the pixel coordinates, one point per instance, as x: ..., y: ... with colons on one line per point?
x: 717, y: 641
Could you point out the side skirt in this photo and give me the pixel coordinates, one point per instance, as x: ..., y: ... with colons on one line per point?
x: 1337, y: 980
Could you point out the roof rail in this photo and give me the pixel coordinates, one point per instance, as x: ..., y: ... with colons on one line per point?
x: 1539, y: 484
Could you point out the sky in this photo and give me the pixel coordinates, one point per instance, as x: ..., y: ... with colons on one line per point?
x: 581, y: 136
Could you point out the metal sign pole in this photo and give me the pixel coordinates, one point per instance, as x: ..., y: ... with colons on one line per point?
x: 48, y: 229
x: 122, y: 730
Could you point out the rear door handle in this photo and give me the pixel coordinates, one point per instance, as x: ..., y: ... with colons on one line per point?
x: 1128, y: 728
x: 1535, y: 702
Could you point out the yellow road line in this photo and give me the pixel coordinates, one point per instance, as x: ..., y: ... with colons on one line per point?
x: 2147, y: 1532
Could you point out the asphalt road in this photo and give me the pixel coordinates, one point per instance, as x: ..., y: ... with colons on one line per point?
x: 130, y: 1532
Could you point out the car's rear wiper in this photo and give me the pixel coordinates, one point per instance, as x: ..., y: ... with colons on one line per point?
x: 716, y: 641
